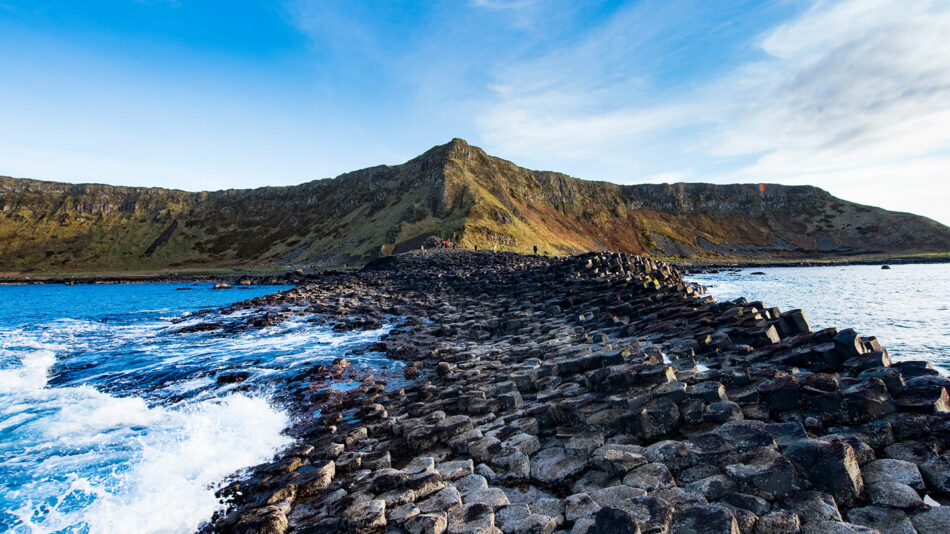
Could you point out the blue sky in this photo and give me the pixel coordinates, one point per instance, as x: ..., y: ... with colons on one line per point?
x: 852, y: 96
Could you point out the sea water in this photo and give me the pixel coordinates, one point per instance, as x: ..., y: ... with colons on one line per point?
x: 111, y: 421
x: 907, y: 307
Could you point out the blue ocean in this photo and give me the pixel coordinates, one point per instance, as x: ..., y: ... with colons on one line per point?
x: 907, y: 307
x: 113, y: 421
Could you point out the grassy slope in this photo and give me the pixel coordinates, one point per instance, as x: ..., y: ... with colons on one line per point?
x: 455, y: 191
x: 49, y: 227
x: 521, y: 208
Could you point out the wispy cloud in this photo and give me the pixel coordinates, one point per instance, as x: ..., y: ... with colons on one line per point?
x: 846, y: 94
x: 851, y: 95
x: 845, y: 85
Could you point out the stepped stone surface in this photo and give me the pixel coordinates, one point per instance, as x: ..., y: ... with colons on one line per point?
x: 593, y: 393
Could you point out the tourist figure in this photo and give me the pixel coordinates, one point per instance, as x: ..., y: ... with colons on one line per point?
x: 535, y: 250
x: 495, y: 249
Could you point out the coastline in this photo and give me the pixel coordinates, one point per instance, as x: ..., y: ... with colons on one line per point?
x: 593, y: 393
x: 237, y: 279
x: 234, y: 276
x: 694, y: 267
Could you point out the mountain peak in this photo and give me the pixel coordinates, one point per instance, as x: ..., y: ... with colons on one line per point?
x: 455, y: 147
x: 453, y: 191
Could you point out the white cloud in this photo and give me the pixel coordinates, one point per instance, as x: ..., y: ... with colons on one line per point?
x: 841, y: 83
x: 853, y: 96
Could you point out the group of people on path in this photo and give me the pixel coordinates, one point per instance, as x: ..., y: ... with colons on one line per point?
x: 448, y: 244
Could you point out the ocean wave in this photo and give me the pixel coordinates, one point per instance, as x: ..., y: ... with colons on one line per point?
x: 102, y: 463
x: 113, y: 422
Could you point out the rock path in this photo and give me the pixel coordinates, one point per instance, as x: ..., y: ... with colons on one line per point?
x: 598, y: 393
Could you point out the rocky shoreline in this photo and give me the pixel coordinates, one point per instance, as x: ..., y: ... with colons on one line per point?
x: 300, y: 276
x: 596, y: 393
x: 230, y: 280
x: 702, y: 267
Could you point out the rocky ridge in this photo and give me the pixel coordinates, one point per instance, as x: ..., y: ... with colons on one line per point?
x: 597, y: 393
x: 454, y: 191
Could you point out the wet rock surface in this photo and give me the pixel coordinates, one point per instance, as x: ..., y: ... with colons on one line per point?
x: 596, y: 393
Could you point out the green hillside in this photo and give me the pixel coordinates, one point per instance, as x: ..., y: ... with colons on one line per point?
x: 455, y: 191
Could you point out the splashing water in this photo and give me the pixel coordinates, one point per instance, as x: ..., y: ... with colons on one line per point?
x: 111, y: 422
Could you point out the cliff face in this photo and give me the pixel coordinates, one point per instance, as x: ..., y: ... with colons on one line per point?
x: 521, y: 207
x: 52, y: 226
x: 456, y: 191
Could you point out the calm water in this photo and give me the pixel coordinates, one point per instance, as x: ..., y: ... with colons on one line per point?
x: 112, y: 422
x: 906, y: 307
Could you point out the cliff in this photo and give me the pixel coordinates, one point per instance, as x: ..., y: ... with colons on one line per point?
x: 455, y: 191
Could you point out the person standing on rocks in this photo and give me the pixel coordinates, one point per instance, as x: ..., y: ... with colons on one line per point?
x: 535, y: 250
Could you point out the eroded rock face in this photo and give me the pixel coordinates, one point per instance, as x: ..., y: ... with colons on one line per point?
x: 936, y: 473
x: 882, y: 519
x: 705, y: 520
x: 830, y: 466
x: 597, y: 393
x: 614, y: 520
x: 890, y: 470
x: 555, y: 467
x: 778, y: 522
x: 932, y: 521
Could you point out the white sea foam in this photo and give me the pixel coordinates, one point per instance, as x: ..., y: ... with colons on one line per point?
x: 133, y: 432
x: 168, y: 489
x: 144, y: 469
x: 30, y: 375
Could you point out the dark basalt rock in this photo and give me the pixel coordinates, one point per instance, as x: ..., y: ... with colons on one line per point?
x: 722, y: 412
x: 767, y: 474
x: 867, y: 400
x: 707, y: 392
x: 596, y: 393
x: 830, y: 466
x: 936, y: 473
x: 746, y: 435
x: 652, y: 514
x: 933, y: 521
x: 883, y: 519
x: 756, y: 505
x: 778, y: 522
x: 704, y: 520
x: 614, y: 520
x: 655, y: 419
x: 780, y: 393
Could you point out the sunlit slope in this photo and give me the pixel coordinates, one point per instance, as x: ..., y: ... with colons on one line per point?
x: 455, y: 191
x: 520, y: 207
